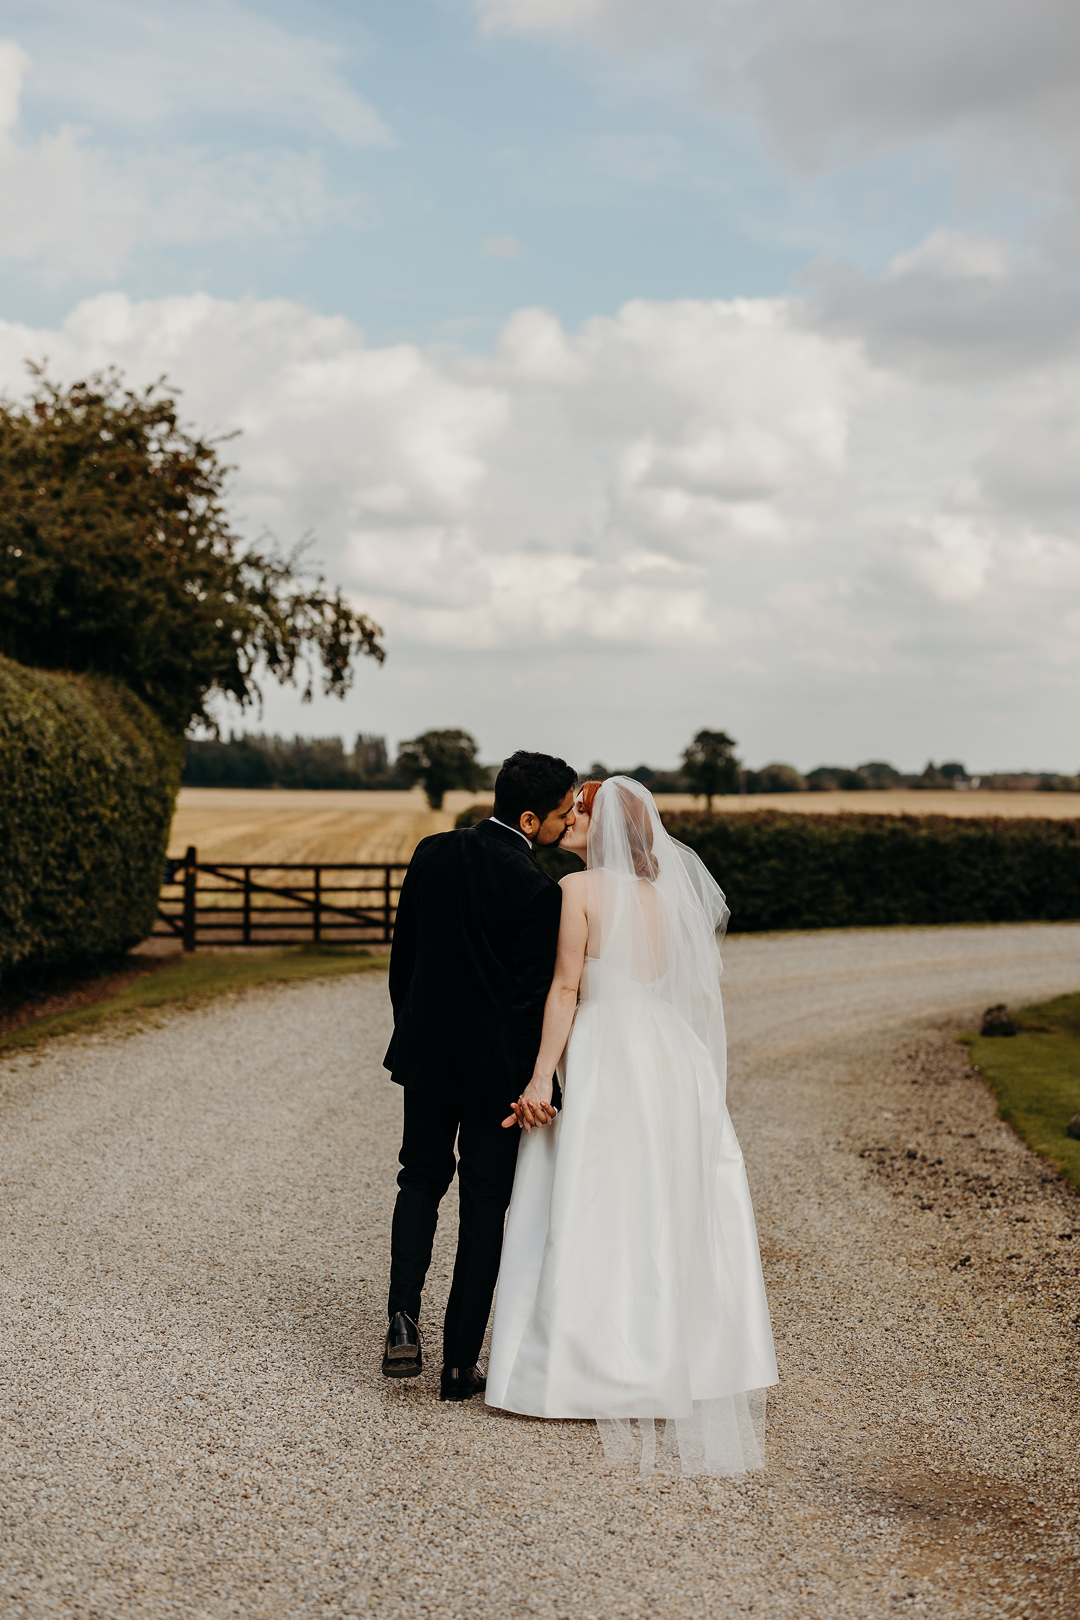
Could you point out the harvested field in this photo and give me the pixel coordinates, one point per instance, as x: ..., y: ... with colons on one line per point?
x: 238, y: 824
x: 904, y: 801
x: 231, y: 824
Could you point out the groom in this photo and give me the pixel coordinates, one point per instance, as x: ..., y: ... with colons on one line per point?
x: 470, y: 968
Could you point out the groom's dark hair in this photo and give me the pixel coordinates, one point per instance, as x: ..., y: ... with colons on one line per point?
x: 535, y: 782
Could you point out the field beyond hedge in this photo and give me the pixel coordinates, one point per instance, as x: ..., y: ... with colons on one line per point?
x: 255, y: 824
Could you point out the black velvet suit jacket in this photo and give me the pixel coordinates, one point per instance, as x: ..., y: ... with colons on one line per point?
x: 470, y: 967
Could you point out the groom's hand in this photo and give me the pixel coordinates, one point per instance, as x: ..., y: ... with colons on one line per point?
x: 521, y: 1114
x: 529, y: 1112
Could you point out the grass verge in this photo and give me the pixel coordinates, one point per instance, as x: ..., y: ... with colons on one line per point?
x: 191, y: 980
x: 1035, y: 1075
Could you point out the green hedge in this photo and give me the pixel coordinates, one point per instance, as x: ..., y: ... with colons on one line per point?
x: 88, y: 780
x: 784, y: 870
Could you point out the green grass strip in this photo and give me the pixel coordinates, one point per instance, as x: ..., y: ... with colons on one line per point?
x: 1035, y: 1076
x: 191, y: 980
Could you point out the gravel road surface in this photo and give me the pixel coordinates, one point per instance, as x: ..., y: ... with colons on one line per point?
x: 192, y: 1420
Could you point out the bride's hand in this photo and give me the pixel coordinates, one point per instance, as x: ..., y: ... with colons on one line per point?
x: 533, y: 1107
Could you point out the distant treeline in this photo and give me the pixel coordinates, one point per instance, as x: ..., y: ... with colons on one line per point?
x: 258, y: 761
x: 877, y: 774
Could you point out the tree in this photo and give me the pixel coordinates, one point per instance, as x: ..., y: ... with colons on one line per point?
x: 370, y: 761
x: 242, y: 762
x: 836, y: 778
x: 880, y: 774
x: 118, y: 558
x: 297, y: 762
x: 775, y: 778
x: 439, y: 761
x: 710, y: 766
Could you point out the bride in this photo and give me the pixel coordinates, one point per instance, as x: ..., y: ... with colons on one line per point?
x: 631, y: 1288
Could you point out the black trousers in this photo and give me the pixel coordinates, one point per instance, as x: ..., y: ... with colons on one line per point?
x: 486, y: 1157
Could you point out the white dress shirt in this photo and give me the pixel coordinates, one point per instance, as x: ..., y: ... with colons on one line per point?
x: 508, y: 827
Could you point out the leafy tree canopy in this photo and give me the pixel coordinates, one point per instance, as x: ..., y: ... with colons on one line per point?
x: 710, y: 766
x: 775, y: 778
x: 831, y: 778
x: 118, y: 557
x: 439, y: 761
x: 881, y: 773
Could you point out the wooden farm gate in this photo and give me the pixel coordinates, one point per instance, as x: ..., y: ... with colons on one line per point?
x: 278, y: 902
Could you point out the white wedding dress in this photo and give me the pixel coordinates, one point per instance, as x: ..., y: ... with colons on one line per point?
x: 631, y: 1287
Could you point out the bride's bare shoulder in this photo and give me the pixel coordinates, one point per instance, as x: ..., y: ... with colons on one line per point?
x: 573, y: 887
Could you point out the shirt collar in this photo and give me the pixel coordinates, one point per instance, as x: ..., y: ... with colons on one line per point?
x: 508, y: 827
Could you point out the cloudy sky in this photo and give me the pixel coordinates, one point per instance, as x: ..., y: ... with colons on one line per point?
x: 639, y: 364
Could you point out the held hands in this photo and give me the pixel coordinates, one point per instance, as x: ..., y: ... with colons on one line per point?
x: 533, y: 1107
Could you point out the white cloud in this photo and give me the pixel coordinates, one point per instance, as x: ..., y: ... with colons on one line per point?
x: 958, y: 304
x: 77, y: 211
x: 14, y: 65
x: 563, y: 16
x: 573, y: 485
x: 954, y: 255
x: 77, y: 207
x: 122, y: 63
x: 989, y: 86
x: 953, y: 557
x: 625, y: 23
x: 692, y: 474
x: 831, y: 79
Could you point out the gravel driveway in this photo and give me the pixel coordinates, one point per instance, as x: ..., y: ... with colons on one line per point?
x: 193, y: 1421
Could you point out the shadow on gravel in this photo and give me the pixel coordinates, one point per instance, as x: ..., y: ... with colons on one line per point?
x: 45, y: 992
x: 951, y: 1520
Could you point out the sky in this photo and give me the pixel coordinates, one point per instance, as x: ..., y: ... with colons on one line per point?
x: 639, y: 365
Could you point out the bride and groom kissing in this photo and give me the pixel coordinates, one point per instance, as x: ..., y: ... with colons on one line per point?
x: 567, y: 1039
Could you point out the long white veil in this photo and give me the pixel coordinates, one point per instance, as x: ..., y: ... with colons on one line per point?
x: 656, y: 917
x: 656, y: 914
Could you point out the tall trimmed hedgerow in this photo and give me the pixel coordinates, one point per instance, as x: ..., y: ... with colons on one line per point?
x: 781, y: 870
x: 118, y: 562
x: 88, y: 778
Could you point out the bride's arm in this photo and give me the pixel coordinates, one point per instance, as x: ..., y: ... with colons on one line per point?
x: 534, y: 1107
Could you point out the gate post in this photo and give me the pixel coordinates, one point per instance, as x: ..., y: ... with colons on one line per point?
x: 190, y: 875
x: 247, y: 905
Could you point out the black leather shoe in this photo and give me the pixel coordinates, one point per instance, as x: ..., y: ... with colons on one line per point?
x: 403, y: 1357
x: 459, y: 1383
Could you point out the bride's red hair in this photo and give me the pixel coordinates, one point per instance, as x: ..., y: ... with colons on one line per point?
x: 586, y: 794
x: 638, y: 827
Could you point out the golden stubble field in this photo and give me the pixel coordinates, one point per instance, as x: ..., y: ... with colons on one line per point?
x: 239, y: 824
